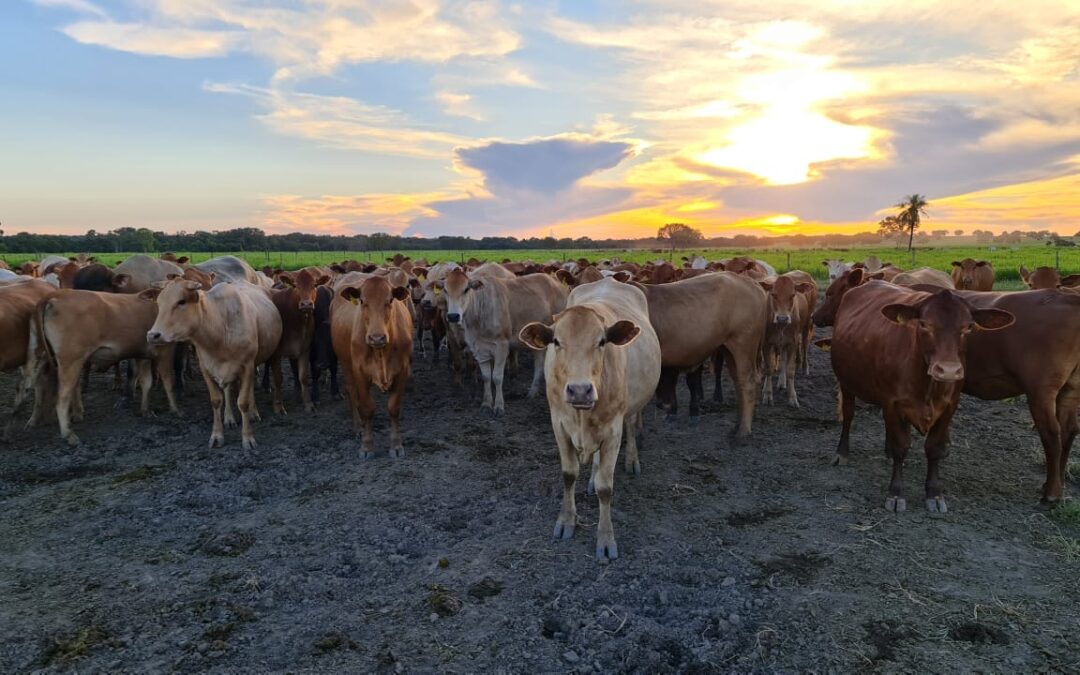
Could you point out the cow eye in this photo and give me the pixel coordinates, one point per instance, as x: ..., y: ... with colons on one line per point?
x: 603, y: 341
x: 181, y: 303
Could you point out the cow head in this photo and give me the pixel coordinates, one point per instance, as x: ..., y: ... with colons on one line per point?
x: 1047, y: 277
x: 304, y: 282
x: 963, y: 272
x: 942, y: 322
x: 460, y: 292
x: 376, y: 296
x: 825, y: 314
x: 579, y: 339
x: 179, y: 310
x: 782, y: 294
x: 836, y: 268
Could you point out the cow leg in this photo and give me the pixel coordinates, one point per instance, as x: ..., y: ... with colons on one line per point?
x: 847, y: 415
x: 364, y: 408
x: 230, y: 419
x: 897, y: 444
x: 1045, y: 414
x: 743, y: 365
x: 335, y: 388
x: 266, y: 377
x: 606, y: 549
x: 179, y: 364
x: 792, y: 358
x: 694, y: 382
x: 67, y: 376
x: 632, y: 464
x: 316, y: 375
x: 666, y: 398
x: 485, y: 373
x: 279, y: 398
x: 166, y: 368
x: 304, y: 374
x: 766, y: 377
x: 502, y: 351
x: 937, y: 449
x: 146, y: 382
x: 393, y: 406
x: 538, y: 373
x: 294, y: 368
x: 245, y: 400
x: 77, y: 410
x: 804, y: 349
x: 1068, y: 402
x: 217, y: 402
x: 718, y: 371
x: 567, y: 520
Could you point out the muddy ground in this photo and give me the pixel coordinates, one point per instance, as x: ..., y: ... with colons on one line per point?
x: 144, y: 551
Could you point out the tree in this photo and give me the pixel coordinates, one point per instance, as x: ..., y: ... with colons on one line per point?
x: 940, y: 233
x: 890, y: 227
x: 912, y: 209
x: 958, y: 233
x: 679, y: 235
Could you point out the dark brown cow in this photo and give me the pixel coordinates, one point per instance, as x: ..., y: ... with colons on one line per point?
x: 323, y: 357
x: 973, y: 275
x: 94, y: 277
x: 372, y: 335
x: 1039, y: 357
x: 825, y: 314
x: 171, y: 257
x: 787, y: 331
x: 296, y: 305
x: 903, y: 350
x: 1048, y: 277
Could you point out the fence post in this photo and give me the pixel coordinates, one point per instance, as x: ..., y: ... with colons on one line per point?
x: 1057, y: 258
x: 912, y: 258
x: 789, y: 261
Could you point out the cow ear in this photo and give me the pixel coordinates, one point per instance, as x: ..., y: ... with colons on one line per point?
x: 287, y: 279
x: 623, y: 276
x: 825, y: 263
x: 324, y: 279
x: 419, y: 272
x: 536, y: 336
x: 192, y: 285
x: 992, y: 319
x: 900, y: 313
x: 352, y: 294
x: 804, y: 287
x: 475, y: 284
x: 877, y: 275
x: 855, y: 276
x: 824, y: 345
x: 1024, y: 274
x: 337, y: 268
x: 120, y: 281
x: 150, y: 294
x: 955, y: 264
x: 981, y: 263
x: 182, y: 259
x: 564, y: 276
x: 767, y: 285
x: 400, y: 293
x: 622, y: 332
x: 1071, y: 280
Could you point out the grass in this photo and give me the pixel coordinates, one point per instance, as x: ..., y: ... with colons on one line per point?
x: 1067, y: 513
x: 1006, y: 259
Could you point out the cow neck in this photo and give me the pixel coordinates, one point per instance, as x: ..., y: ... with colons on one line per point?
x: 203, y: 335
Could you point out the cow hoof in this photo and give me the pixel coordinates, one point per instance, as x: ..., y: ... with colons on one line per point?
x: 695, y: 420
x: 498, y: 412
x: 533, y: 393
x: 896, y: 504
x: 670, y: 418
x: 606, y: 551
x: 563, y: 530
x: 230, y: 423
x: 937, y: 505
x: 180, y: 414
x: 217, y: 440
x: 793, y: 404
x: 248, y: 443
x: 633, y: 468
x: 280, y: 410
x: 397, y: 453
x: 72, y: 440
x: 367, y: 454
x: 840, y: 460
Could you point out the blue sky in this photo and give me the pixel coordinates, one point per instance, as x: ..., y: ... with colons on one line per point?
x: 482, y: 117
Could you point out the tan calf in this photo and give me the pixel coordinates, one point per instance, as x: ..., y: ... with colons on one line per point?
x: 602, y: 366
x: 372, y: 333
x: 234, y: 327
x: 786, y: 334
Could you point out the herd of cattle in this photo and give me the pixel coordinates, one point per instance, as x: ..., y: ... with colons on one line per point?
x: 608, y: 338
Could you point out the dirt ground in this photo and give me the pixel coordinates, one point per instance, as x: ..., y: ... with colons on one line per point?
x: 143, y: 551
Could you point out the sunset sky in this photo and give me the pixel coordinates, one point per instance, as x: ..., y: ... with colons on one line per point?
x: 599, y: 118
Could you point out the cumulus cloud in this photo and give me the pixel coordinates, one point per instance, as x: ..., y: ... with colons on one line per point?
x: 545, y: 165
x: 180, y: 43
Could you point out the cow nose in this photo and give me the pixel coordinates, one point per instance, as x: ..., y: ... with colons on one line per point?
x: 947, y: 371
x: 453, y: 317
x: 580, y: 394
x: 783, y: 319
x: 426, y: 304
x: 153, y: 336
x: 377, y: 340
x: 306, y: 305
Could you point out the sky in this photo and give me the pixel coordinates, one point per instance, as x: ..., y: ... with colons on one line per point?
x: 600, y: 118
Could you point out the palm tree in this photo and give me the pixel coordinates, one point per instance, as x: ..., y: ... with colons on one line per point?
x: 912, y: 209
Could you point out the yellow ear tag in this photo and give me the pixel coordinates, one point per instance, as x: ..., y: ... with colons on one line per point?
x: 437, y: 290
x: 354, y: 301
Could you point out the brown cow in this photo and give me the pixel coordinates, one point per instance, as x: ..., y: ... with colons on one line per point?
x: 926, y: 276
x: 372, y: 334
x: 234, y: 327
x: 17, y: 303
x: 787, y: 332
x: 492, y: 310
x: 1039, y: 357
x: 76, y: 328
x: 143, y: 272
x: 903, y: 350
x: 695, y: 318
x: 1048, y: 277
x: 755, y: 269
x: 169, y: 256
x: 973, y: 275
x: 296, y: 306
x: 602, y: 365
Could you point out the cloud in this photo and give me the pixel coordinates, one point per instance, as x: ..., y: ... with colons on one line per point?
x: 341, y: 213
x: 545, y: 165
x: 179, y: 43
x: 459, y: 105
x: 80, y: 6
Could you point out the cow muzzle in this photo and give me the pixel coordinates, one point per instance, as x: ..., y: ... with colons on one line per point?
x: 581, y: 395
x: 946, y: 371
x: 307, y: 306
x: 155, y: 337
x: 453, y: 317
x: 782, y: 319
x: 376, y: 340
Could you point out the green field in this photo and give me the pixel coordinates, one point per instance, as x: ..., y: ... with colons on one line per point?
x: 1006, y: 259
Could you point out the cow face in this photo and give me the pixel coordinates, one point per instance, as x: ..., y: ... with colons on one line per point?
x: 1046, y: 277
x: 836, y: 268
x: 460, y: 291
x: 825, y: 314
x: 579, y: 338
x: 942, y: 323
x: 782, y: 294
x: 376, y: 296
x: 179, y: 309
x: 305, y: 283
x: 963, y: 273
